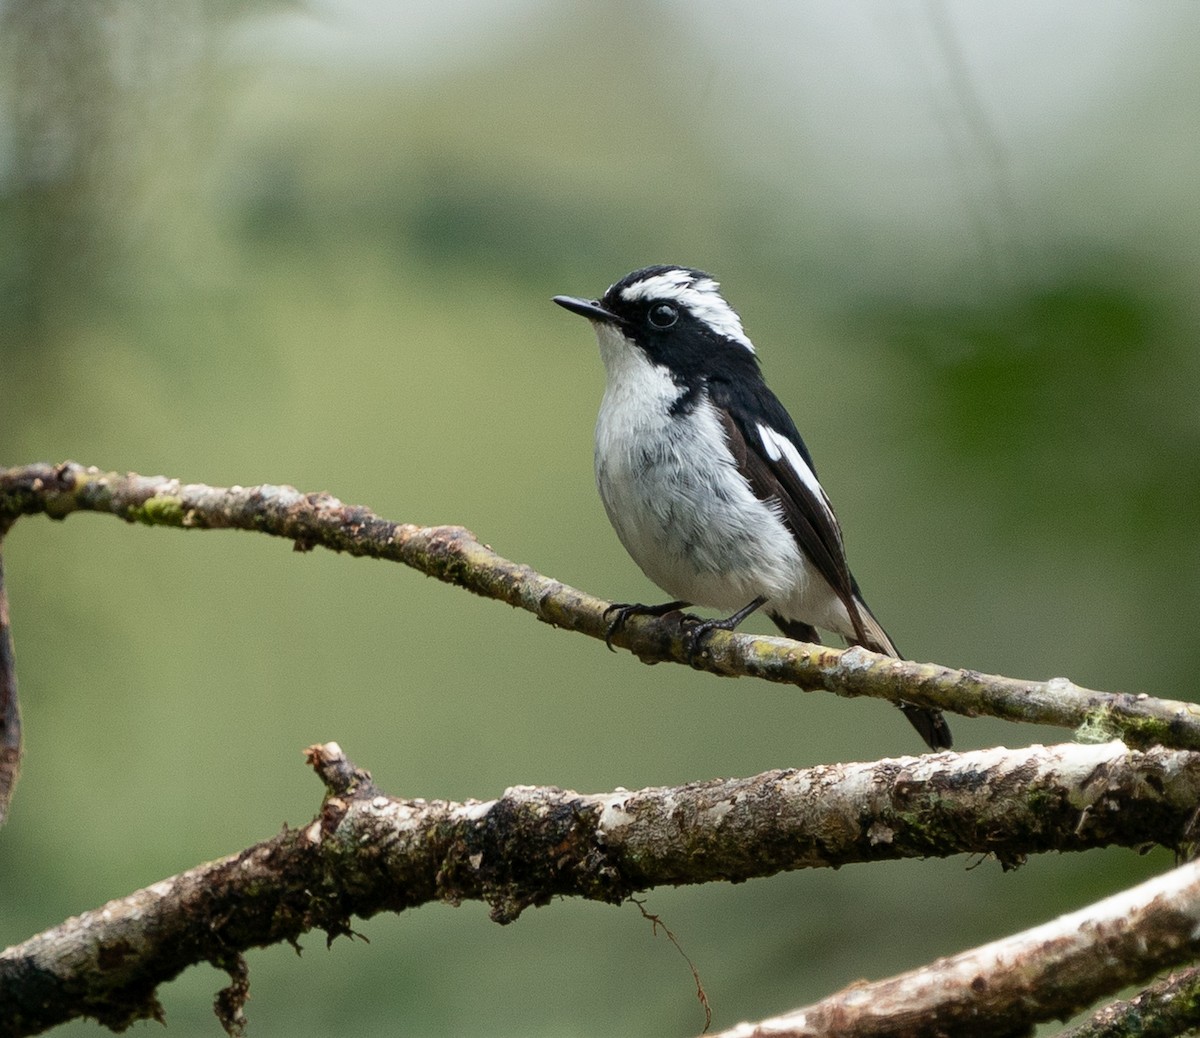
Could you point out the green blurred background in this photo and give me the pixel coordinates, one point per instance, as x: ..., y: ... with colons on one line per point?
x: 315, y: 244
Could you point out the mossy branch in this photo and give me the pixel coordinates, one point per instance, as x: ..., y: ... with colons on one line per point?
x: 1163, y: 1009
x: 454, y: 555
x: 367, y: 852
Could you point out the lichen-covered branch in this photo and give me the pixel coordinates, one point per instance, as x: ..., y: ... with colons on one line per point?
x: 367, y: 852
x: 1001, y: 989
x: 454, y: 555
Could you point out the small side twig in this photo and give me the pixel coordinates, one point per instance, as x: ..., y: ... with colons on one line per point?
x: 656, y: 923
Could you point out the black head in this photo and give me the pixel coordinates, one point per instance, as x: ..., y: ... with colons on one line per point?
x: 677, y: 316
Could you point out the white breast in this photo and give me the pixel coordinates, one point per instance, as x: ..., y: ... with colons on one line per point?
x: 673, y: 493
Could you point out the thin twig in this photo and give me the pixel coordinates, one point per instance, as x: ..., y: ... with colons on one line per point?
x: 656, y: 922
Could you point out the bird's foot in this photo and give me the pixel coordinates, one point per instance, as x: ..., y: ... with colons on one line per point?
x: 621, y: 612
x: 695, y: 630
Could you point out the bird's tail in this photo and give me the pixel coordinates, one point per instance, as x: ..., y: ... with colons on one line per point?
x: 869, y: 633
x: 930, y: 723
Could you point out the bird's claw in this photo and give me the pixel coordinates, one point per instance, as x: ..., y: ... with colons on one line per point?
x: 622, y: 611
x: 619, y: 613
x: 695, y: 630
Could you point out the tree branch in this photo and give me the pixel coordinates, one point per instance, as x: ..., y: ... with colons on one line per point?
x: 1163, y: 1010
x: 367, y: 852
x: 1001, y: 989
x: 452, y: 554
x: 10, y: 708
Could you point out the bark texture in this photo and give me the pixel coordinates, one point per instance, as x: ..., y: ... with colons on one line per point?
x: 367, y: 852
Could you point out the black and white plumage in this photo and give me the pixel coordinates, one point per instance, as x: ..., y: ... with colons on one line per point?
x: 704, y: 476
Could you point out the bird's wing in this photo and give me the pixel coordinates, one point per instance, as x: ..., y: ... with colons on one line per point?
x: 775, y: 462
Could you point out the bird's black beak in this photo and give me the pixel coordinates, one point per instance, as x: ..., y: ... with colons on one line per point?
x: 588, y: 308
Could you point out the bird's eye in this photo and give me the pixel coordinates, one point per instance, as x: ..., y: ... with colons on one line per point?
x: 663, y: 315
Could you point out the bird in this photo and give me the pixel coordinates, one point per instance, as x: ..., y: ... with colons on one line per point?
x: 706, y: 479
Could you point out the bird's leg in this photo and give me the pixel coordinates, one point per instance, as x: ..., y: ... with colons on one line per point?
x: 620, y: 612
x: 696, y: 630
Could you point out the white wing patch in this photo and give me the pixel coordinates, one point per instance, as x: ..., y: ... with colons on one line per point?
x: 779, y: 446
x: 698, y: 295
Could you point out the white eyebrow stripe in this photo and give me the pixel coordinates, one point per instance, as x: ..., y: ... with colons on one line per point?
x: 780, y: 447
x: 700, y: 296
